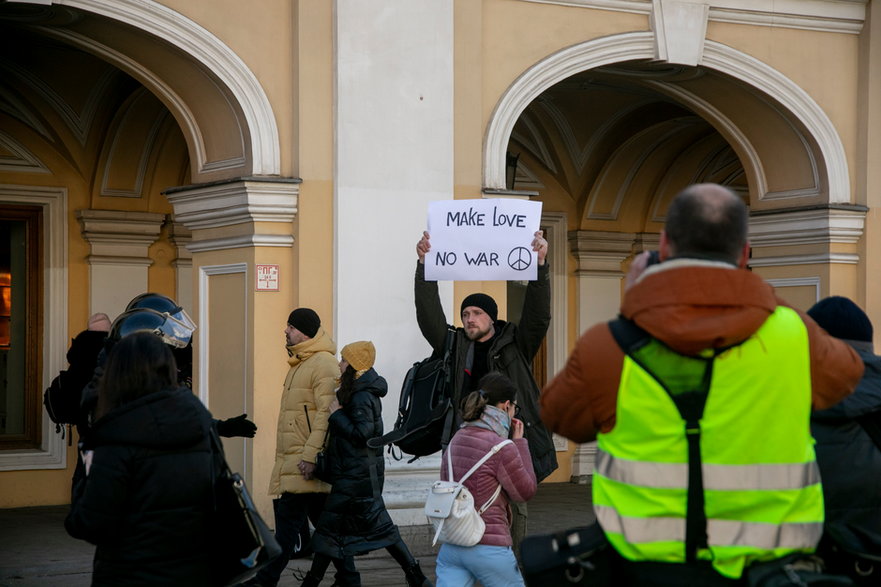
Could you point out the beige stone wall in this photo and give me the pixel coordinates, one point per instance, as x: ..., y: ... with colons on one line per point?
x: 288, y: 45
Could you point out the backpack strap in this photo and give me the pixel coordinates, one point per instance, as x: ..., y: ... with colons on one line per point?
x: 631, y: 338
x: 479, y: 463
x: 628, y: 335
x: 490, y: 501
x: 476, y: 466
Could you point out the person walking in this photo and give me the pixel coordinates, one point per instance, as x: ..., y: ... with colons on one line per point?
x: 145, y: 499
x: 484, y: 344
x: 699, y: 397
x: 307, y: 393
x: 849, y: 452
x: 489, y: 414
x: 355, y: 520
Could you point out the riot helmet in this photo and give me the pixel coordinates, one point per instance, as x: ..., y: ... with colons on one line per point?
x: 163, y: 305
x: 170, y: 329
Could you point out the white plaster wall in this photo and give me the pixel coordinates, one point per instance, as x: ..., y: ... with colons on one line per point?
x: 394, y: 154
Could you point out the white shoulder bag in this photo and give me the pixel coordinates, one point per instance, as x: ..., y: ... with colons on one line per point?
x: 450, y: 506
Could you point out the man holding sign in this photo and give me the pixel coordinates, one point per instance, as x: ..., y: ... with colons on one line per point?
x: 486, y: 344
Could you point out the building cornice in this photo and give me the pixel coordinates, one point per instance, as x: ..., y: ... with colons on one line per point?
x: 821, y: 225
x: 238, y: 201
x: 835, y: 16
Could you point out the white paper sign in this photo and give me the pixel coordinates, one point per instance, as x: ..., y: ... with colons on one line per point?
x: 482, y: 240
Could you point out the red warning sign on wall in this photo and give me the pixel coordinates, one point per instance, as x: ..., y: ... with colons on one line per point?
x: 267, y: 277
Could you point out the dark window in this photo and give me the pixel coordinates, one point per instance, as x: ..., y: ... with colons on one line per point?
x: 21, y: 271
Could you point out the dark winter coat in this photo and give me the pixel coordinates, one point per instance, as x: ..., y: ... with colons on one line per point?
x: 850, y: 463
x: 354, y: 520
x: 511, y: 352
x: 146, y: 500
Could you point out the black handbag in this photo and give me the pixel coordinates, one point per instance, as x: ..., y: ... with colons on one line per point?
x: 322, y: 467
x: 578, y: 556
x: 242, y: 543
x: 800, y: 570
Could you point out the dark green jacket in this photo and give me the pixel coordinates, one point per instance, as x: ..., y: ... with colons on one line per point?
x: 511, y: 353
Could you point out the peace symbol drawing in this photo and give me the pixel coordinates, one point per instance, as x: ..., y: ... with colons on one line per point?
x: 520, y: 258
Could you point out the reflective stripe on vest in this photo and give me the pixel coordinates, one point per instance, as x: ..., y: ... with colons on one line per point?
x: 721, y: 532
x: 762, y: 493
x: 719, y: 477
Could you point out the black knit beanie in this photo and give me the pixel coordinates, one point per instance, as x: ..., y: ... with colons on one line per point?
x: 842, y: 318
x: 305, y: 320
x: 482, y: 301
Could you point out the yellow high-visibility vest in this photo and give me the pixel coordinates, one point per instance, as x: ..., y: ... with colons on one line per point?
x: 762, y: 492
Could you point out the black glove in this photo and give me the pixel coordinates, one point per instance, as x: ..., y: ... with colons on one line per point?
x: 238, y: 426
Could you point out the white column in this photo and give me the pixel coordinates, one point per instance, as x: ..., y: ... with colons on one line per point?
x: 119, y: 256
x: 394, y: 154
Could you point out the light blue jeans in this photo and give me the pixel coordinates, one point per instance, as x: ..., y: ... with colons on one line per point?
x: 461, y: 566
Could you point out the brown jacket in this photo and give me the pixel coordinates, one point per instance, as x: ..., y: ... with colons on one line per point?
x: 689, y: 305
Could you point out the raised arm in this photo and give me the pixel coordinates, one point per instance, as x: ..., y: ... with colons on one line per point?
x: 536, y: 315
x: 429, y: 312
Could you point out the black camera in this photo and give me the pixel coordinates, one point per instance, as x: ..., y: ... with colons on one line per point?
x: 654, y: 258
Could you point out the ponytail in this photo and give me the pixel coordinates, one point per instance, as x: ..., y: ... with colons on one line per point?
x: 494, y: 388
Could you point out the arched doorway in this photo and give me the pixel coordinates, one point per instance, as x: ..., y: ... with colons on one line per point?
x: 104, y: 107
x: 607, y: 134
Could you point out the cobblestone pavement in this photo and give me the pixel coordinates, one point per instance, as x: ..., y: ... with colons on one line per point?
x: 35, y: 549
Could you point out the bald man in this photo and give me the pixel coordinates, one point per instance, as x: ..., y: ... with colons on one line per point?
x: 699, y: 397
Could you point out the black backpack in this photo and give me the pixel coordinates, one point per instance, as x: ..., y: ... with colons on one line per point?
x: 63, y: 403
x: 426, y: 398
x: 63, y: 397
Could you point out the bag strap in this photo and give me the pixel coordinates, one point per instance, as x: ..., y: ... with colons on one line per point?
x: 309, y: 424
x: 449, y: 385
x: 478, y: 464
x: 217, y: 449
x: 631, y: 338
x: 492, y: 498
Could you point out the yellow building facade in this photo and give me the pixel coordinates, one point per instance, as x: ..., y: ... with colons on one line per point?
x: 247, y: 158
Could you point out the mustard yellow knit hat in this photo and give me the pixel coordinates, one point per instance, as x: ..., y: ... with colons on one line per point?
x: 360, y: 355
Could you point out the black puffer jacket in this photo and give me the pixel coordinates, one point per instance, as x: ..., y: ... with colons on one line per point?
x: 511, y: 352
x: 850, y: 463
x: 146, y: 500
x: 354, y: 520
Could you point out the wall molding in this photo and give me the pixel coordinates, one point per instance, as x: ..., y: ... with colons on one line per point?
x: 807, y: 227
x: 809, y: 259
x: 53, y: 452
x: 205, y: 274
x: 798, y: 282
x: 233, y: 202
x: 641, y: 45
x: 209, y: 52
x: 830, y: 16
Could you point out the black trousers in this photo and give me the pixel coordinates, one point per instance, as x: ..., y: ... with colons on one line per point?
x: 398, y: 550
x: 291, y: 512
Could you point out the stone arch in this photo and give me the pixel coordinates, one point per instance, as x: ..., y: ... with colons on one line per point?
x: 240, y: 102
x: 831, y: 168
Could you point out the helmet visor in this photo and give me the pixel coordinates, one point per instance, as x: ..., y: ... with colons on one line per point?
x: 177, y: 330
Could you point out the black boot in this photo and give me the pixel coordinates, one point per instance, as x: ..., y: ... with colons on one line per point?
x: 415, y: 576
x: 311, y: 580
